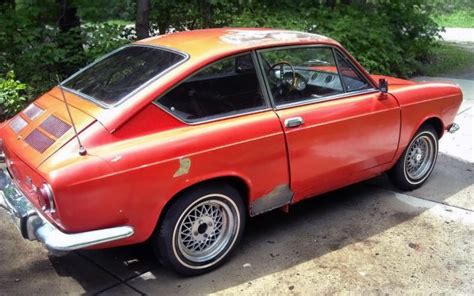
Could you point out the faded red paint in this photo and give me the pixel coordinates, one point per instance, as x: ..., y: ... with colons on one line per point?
x: 127, y: 177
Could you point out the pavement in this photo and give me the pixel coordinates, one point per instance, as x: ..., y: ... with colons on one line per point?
x: 458, y: 34
x: 368, y: 238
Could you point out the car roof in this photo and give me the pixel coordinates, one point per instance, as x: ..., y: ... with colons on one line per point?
x: 204, y: 44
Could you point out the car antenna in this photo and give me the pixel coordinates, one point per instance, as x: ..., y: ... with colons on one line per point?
x: 82, y: 150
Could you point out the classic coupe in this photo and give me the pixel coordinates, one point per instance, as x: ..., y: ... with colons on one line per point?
x: 179, y: 139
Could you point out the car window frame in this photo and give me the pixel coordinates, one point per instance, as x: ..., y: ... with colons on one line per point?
x: 343, y: 95
x: 267, y: 102
x: 185, y: 56
x: 336, y: 51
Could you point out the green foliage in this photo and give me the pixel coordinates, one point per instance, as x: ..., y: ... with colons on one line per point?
x: 37, y: 51
x: 102, y: 38
x: 450, y: 6
x: 386, y: 36
x: 188, y: 15
x: 389, y: 37
x: 101, y: 10
x: 447, y: 59
x: 456, y: 19
x: 12, y: 96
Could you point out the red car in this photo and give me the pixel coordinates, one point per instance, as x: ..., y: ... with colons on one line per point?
x: 179, y: 138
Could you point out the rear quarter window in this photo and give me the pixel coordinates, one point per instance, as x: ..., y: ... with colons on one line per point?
x: 228, y: 87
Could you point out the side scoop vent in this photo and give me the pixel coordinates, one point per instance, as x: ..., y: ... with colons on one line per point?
x: 55, y: 126
x: 17, y: 124
x: 33, y: 111
x: 39, y: 141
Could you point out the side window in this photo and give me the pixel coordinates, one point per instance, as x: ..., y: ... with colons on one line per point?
x: 301, y: 73
x: 352, y: 79
x: 227, y: 87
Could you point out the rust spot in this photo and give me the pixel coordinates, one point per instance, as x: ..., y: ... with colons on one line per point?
x: 184, y: 167
x: 278, y: 197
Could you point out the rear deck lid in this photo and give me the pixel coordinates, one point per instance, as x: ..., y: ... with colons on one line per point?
x: 45, y: 126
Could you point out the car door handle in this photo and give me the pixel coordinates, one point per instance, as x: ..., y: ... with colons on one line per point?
x: 294, y: 122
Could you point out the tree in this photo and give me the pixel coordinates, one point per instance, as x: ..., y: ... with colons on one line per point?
x: 8, y: 3
x: 142, y: 24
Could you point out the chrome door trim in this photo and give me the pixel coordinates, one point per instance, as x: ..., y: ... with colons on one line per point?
x: 328, y: 98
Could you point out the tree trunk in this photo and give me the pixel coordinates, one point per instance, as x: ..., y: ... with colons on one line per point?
x: 68, y: 18
x: 330, y: 3
x: 8, y: 3
x: 142, y: 24
x: 69, y: 38
x: 346, y: 2
x: 207, y: 14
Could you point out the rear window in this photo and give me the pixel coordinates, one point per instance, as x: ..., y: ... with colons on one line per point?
x: 112, y: 78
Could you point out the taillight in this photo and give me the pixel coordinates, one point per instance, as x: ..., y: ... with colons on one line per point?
x: 2, y: 153
x: 45, y: 197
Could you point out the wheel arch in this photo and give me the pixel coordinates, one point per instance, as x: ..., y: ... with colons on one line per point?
x: 436, y: 123
x: 236, y: 182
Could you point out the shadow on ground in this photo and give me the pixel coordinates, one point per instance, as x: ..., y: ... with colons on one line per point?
x: 276, y: 241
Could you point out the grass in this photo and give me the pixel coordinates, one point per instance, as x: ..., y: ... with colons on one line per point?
x: 120, y: 22
x: 456, y: 19
x: 448, y: 58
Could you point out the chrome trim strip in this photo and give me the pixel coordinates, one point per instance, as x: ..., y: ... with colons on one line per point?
x: 328, y: 98
x: 139, y: 88
x: 33, y: 225
x: 191, y: 123
x: 52, y: 207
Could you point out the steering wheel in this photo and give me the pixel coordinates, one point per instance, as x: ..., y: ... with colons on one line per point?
x: 291, y: 83
x: 292, y: 80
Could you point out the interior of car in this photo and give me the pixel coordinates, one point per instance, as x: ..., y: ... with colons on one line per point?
x: 226, y: 87
x: 299, y: 74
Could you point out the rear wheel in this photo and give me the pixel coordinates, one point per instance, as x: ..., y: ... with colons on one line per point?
x: 200, y: 229
x: 417, y: 162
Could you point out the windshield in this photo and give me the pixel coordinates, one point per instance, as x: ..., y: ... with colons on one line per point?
x: 112, y: 78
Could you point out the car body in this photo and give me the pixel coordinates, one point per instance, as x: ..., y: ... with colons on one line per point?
x: 291, y: 127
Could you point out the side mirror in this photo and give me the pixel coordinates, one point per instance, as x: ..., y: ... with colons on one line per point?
x: 383, y: 85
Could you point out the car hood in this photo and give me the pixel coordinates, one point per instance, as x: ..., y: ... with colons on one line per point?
x: 393, y: 83
x: 43, y: 127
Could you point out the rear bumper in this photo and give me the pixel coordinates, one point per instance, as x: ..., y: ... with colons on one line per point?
x: 34, y: 226
x: 453, y: 128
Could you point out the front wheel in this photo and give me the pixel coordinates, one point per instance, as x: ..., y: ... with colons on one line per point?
x: 418, y: 160
x: 200, y: 229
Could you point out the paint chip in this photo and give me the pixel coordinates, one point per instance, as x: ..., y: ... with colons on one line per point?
x: 184, y: 166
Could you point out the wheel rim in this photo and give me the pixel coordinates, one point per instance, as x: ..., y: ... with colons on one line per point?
x: 207, y: 229
x: 420, y: 158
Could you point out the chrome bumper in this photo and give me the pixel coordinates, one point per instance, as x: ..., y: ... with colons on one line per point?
x: 453, y: 128
x: 34, y: 226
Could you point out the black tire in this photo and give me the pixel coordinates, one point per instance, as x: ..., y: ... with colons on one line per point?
x: 185, y: 229
x: 405, y: 174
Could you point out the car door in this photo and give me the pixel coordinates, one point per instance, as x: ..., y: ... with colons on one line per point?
x: 339, y: 128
